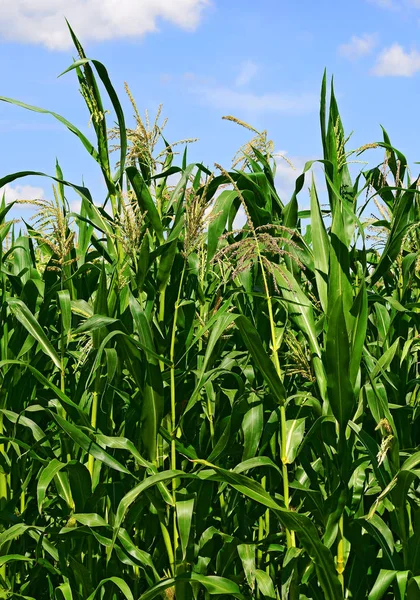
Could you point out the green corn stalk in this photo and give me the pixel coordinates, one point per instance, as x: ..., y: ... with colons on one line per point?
x: 175, y: 533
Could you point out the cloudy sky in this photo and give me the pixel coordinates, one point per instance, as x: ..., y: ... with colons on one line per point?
x: 260, y: 61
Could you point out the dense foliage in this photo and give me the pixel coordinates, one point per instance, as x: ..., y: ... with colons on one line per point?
x: 189, y: 410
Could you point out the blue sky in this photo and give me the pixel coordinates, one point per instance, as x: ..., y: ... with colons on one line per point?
x: 260, y: 61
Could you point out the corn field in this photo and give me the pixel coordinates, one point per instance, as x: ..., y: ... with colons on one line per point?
x: 190, y: 408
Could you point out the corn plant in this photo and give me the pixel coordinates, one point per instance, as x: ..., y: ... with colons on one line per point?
x: 191, y: 410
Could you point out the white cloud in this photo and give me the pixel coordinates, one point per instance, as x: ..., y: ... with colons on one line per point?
x: 42, y: 21
x: 388, y: 4
x: 358, y: 46
x: 396, y: 62
x: 166, y: 78
x: 173, y: 180
x: 396, y: 4
x: 288, y: 170
x: 286, y: 176
x: 21, y: 192
x: 247, y: 72
x: 75, y: 205
x: 227, y: 99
